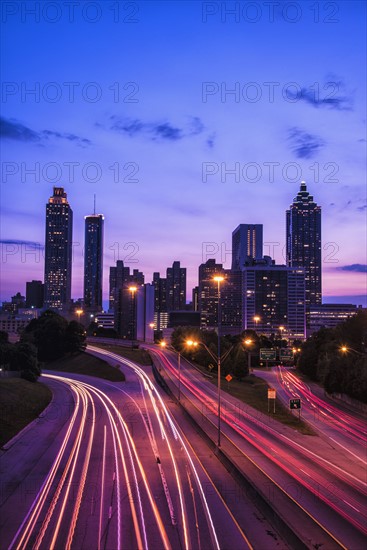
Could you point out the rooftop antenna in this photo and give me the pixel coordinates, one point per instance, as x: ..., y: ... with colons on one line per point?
x: 94, y: 205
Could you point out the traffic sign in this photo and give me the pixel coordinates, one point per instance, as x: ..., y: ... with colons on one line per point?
x: 285, y: 354
x: 268, y: 354
x: 229, y: 377
x: 295, y: 404
x: 272, y: 393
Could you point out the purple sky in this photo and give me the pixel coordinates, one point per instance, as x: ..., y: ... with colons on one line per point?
x: 140, y: 101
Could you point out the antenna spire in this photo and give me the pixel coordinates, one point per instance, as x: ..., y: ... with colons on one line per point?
x: 94, y: 204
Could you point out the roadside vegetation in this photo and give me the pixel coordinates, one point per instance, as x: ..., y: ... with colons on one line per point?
x: 21, y: 402
x: 84, y: 363
x: 337, y: 357
x: 140, y: 356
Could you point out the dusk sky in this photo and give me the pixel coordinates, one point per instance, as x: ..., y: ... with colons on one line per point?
x: 148, y: 106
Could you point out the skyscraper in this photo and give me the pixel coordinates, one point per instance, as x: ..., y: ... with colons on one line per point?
x: 93, y: 262
x: 247, y: 242
x: 176, y: 287
x: 275, y: 294
x: 160, y: 302
x: 208, y: 293
x: 58, y: 250
x: 34, y: 294
x: 303, y: 242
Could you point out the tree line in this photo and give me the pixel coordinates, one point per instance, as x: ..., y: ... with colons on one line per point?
x: 322, y: 357
x: 44, y: 339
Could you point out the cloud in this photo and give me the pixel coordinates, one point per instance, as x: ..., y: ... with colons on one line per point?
x: 303, y: 144
x: 211, y: 141
x: 18, y: 242
x: 13, y: 129
x: 156, y: 131
x: 331, y: 95
x: 355, y: 268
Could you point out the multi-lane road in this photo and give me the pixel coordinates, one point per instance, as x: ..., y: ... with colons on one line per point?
x: 108, y: 467
x: 114, y: 466
x: 311, y: 477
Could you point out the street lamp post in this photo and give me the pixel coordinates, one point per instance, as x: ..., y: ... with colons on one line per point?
x: 164, y: 345
x: 133, y: 290
x: 256, y: 319
x: 79, y: 312
x: 218, y: 280
x: 345, y: 349
x: 248, y: 342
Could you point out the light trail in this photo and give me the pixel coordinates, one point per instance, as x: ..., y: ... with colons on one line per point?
x: 261, y: 443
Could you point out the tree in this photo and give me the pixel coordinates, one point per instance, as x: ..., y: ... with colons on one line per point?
x: 74, y: 338
x: 24, y: 359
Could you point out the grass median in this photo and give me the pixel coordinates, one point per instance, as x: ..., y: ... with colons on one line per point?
x: 140, y: 356
x: 84, y: 363
x: 20, y: 403
x: 254, y: 392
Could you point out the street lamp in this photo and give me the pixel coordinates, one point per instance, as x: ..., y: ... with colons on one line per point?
x: 133, y: 290
x: 79, y: 312
x: 256, y: 319
x: 247, y: 343
x: 345, y: 349
x: 219, y: 279
x: 164, y: 344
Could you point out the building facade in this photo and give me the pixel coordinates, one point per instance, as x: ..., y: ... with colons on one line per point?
x: 93, y: 262
x: 34, y: 294
x: 58, y: 251
x: 208, y: 293
x: 176, y: 287
x: 247, y: 242
x: 273, y: 297
x: 303, y: 242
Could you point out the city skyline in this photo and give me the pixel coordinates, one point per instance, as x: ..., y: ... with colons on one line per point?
x: 220, y: 252
x: 183, y: 141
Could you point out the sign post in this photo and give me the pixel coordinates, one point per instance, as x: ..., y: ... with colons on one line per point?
x: 228, y: 378
x: 285, y: 354
x: 271, y: 395
x: 295, y: 404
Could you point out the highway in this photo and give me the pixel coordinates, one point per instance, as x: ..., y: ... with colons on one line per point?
x: 346, y: 429
x: 320, y: 486
x: 107, y: 467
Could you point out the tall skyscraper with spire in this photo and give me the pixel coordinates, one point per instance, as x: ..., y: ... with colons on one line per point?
x: 303, y: 242
x: 93, y: 261
x: 58, y: 250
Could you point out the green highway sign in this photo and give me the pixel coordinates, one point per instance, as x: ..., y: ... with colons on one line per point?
x: 295, y: 404
x: 286, y: 354
x: 268, y: 354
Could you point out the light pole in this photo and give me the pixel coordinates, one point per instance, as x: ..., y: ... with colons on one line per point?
x: 79, y: 312
x: 248, y: 342
x: 218, y: 279
x: 133, y: 290
x: 163, y: 344
x: 345, y: 349
x: 256, y: 319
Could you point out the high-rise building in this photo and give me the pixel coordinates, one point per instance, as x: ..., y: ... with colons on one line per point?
x: 176, y: 287
x: 273, y: 297
x: 247, y: 242
x: 34, y: 294
x: 208, y: 293
x: 134, y: 312
x: 303, y: 242
x: 58, y: 250
x: 160, y: 302
x: 124, y: 299
x: 93, y: 262
x: 119, y: 275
